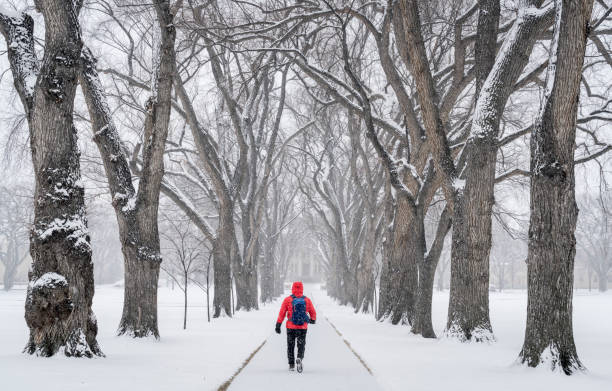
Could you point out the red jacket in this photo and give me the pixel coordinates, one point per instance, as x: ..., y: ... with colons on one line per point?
x: 287, y: 307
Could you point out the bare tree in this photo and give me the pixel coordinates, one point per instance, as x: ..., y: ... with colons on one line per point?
x: 549, y: 338
x: 185, y: 255
x: 136, y: 211
x: 59, y: 297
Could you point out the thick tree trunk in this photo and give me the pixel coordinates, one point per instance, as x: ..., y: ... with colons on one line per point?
x: 427, y: 271
x: 245, y: 268
x: 223, y: 253
x: 399, y: 279
x: 136, y: 213
x: 246, y: 287
x: 139, y: 317
x: 549, y: 336
x: 365, y: 274
x: 422, y: 323
x: 468, y: 313
x: 141, y: 267
x: 61, y: 288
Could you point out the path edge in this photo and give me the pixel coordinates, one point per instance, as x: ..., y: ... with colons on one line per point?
x: 228, y: 382
x: 361, y: 360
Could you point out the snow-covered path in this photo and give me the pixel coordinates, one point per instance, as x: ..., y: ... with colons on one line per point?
x: 328, y: 364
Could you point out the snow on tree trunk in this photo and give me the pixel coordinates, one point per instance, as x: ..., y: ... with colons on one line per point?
x: 468, y: 313
x: 60, y: 292
x: 142, y: 254
x: 549, y: 339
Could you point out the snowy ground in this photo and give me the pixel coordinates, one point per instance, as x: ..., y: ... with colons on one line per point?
x: 402, y: 361
x: 328, y: 362
x: 199, y: 358
x: 205, y: 355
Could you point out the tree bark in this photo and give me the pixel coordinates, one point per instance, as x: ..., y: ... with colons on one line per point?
x: 136, y: 212
x: 427, y: 271
x: 468, y: 313
x: 59, y: 296
x: 139, y: 317
x: 365, y: 273
x: 245, y: 275
x: 552, y: 245
x: 399, y: 278
x: 224, y: 252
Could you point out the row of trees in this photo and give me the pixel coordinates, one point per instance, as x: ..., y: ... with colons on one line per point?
x: 374, y: 126
x: 218, y: 170
x: 429, y: 87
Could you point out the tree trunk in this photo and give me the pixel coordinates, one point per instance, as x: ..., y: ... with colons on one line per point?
x: 141, y: 259
x: 468, y: 313
x: 136, y: 213
x: 427, y: 271
x: 142, y: 268
x: 399, y: 279
x: 246, y: 287
x: 279, y: 282
x: 268, y: 274
x: 549, y: 336
x: 10, y: 270
x: 365, y: 275
x: 186, y: 282
x: 223, y: 254
x: 422, y: 323
x: 139, y: 317
x: 602, y: 279
x: 59, y: 297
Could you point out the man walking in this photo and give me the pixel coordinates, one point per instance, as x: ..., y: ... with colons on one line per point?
x: 299, y: 312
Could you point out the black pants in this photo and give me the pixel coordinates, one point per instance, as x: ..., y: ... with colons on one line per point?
x: 292, y: 335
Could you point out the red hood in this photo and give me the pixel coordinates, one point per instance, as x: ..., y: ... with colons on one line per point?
x: 297, y: 289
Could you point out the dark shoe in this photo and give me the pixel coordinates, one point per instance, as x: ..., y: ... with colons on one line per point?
x: 298, y: 362
x: 291, y: 368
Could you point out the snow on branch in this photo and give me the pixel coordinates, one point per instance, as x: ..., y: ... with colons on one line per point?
x: 18, y: 31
